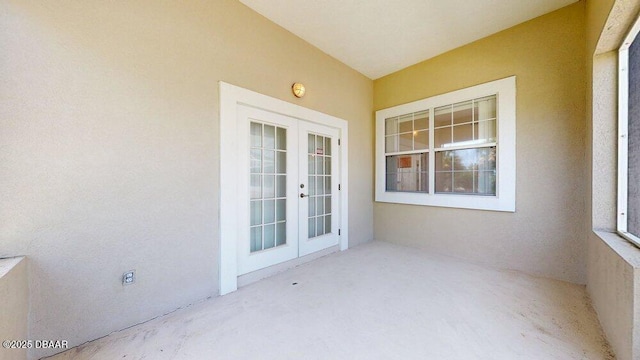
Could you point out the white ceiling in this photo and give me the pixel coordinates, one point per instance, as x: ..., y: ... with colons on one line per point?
x: 378, y: 37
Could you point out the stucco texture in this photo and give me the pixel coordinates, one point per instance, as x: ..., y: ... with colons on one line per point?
x: 14, y: 292
x: 613, y: 264
x: 109, y: 147
x: 543, y: 236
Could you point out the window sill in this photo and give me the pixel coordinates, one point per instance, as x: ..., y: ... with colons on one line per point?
x: 621, y: 246
x: 459, y: 201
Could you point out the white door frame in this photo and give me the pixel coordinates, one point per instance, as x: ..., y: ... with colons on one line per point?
x: 230, y: 97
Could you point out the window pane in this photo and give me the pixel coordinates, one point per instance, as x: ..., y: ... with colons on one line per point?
x: 256, y: 239
x: 256, y: 161
x: 256, y: 135
x: 319, y: 145
x: 442, y: 116
x: 281, y: 210
x: 444, y: 160
x: 269, y: 187
x: 269, y: 161
x: 463, y: 182
x: 391, y: 126
x: 319, y: 165
x: 485, y: 182
x: 312, y: 227
x: 256, y: 212
x: 269, y: 211
x: 485, y: 108
x: 462, y: 113
x: 487, y: 159
x: 320, y: 205
x: 281, y: 186
x: 485, y: 130
x: 421, y: 140
x: 391, y: 144
x: 327, y: 184
x: 407, y: 172
x: 319, y: 185
x: 312, y: 164
x: 468, y: 171
x: 391, y: 182
x: 462, y: 133
x: 327, y: 204
x: 281, y: 162
x: 406, y: 142
x: 269, y: 236
x: 312, y: 185
x: 421, y: 120
x: 256, y: 187
x: 442, y: 136
x: 269, y: 137
x: 444, y: 183
x: 281, y: 234
x: 312, y: 144
x: 319, y: 225
x: 327, y: 146
x: 406, y: 123
x: 281, y: 138
x: 312, y: 206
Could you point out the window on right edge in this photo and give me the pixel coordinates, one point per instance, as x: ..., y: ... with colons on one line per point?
x: 629, y: 137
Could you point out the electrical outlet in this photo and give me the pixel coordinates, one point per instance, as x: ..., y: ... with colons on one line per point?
x: 129, y: 277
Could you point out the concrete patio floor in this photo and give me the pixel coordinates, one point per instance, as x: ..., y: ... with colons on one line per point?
x: 375, y: 301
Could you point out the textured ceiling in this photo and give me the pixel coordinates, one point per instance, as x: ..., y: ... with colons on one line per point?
x: 378, y: 37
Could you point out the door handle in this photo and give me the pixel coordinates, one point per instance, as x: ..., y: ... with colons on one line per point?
x: 303, y: 195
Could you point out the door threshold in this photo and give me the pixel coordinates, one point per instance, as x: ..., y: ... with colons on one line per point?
x: 258, y: 275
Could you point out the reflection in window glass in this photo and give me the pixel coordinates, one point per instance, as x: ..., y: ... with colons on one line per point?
x: 408, y: 172
x: 468, y: 171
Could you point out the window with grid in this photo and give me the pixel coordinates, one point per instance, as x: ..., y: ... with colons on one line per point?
x: 465, y: 146
x: 452, y: 150
x: 406, y: 152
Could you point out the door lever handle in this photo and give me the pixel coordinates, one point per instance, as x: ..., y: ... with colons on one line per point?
x: 303, y: 195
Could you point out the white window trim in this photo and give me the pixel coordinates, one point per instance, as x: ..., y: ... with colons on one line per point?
x: 623, y: 132
x: 230, y: 97
x: 505, y: 199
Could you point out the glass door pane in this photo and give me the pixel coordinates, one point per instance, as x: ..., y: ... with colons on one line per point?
x: 268, y: 187
x: 319, y: 215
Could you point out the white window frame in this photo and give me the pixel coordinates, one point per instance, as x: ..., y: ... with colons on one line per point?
x: 623, y: 132
x: 505, y: 198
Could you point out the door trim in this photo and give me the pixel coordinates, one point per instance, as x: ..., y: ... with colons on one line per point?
x: 230, y: 97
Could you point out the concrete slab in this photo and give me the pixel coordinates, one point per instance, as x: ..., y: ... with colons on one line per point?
x: 375, y: 301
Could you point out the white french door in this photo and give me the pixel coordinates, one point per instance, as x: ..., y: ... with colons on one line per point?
x: 318, y: 205
x: 288, y: 202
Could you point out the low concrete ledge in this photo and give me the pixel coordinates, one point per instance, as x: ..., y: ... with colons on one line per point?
x: 626, y: 250
x: 14, y: 297
x: 614, y: 287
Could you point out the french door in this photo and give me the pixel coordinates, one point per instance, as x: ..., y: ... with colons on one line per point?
x: 289, y: 181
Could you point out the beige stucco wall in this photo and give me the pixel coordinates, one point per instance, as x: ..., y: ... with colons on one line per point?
x: 14, y: 305
x: 613, y: 264
x: 109, y: 148
x: 544, y: 235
